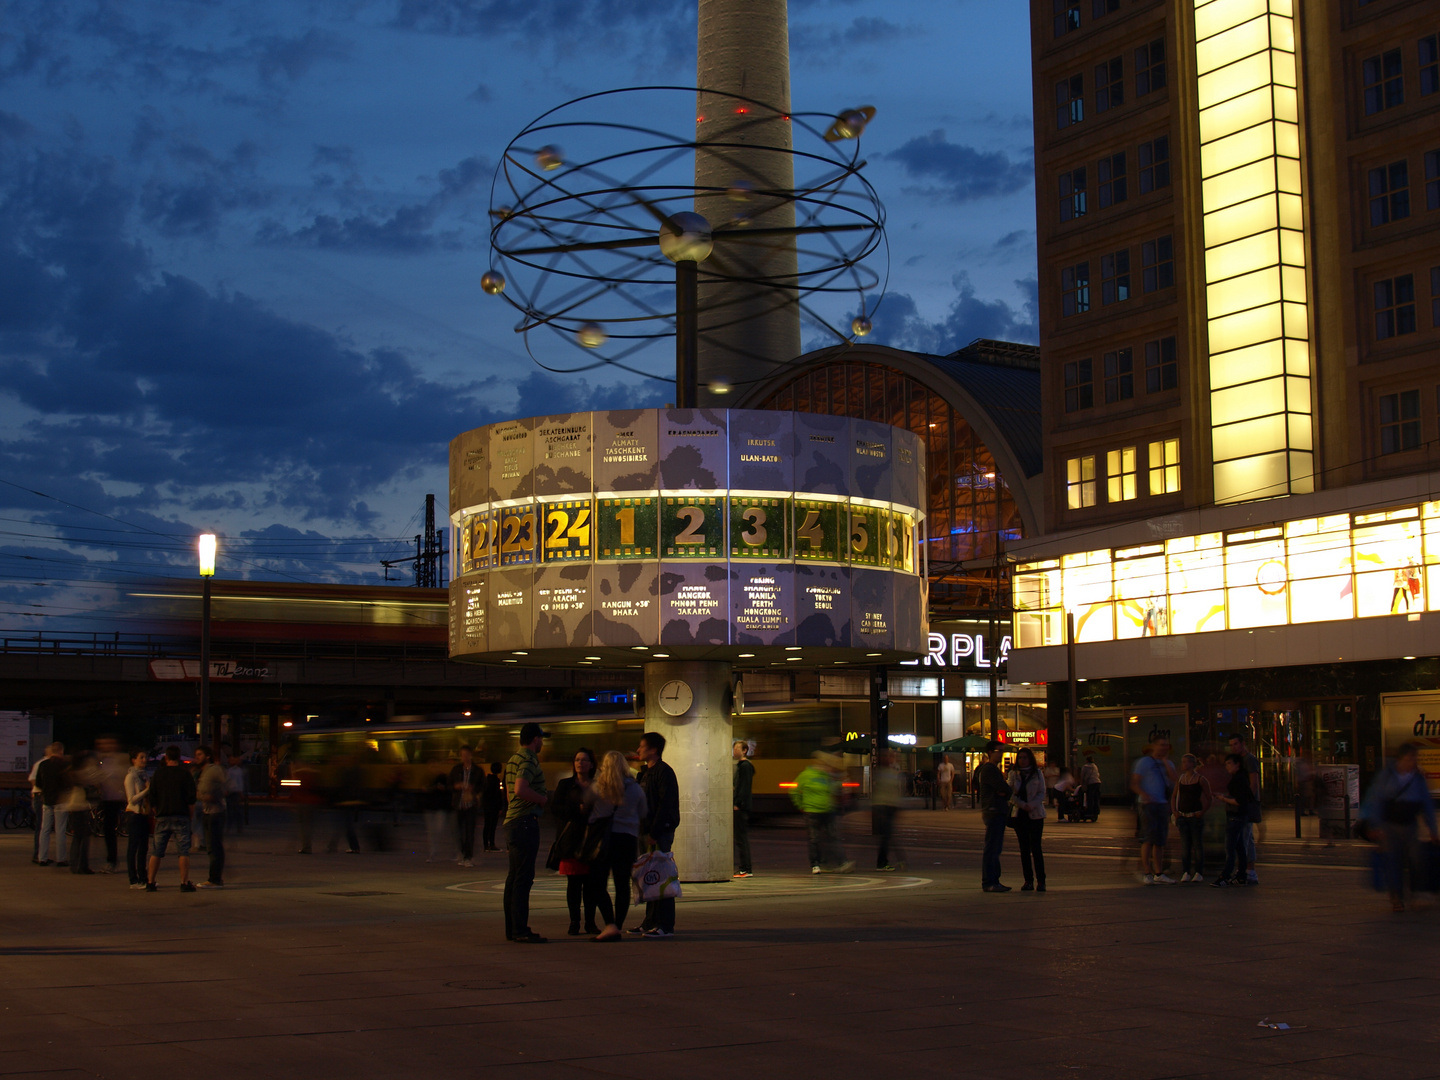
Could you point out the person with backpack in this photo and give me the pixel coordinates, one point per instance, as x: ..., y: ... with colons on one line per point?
x: 1398, y: 800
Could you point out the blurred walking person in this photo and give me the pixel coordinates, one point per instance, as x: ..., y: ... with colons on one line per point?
x: 210, y: 793
x: 493, y: 804
x: 437, y: 801
x: 994, y: 794
x: 525, y: 781
x: 1398, y: 800
x: 571, y: 811
x: 744, y: 786
x: 172, y: 794
x: 50, y: 779
x: 466, y: 780
x: 884, y: 807
x: 1152, y: 780
x: 237, y: 799
x: 1190, y: 800
x: 1027, y: 782
x: 614, y: 797
x: 817, y: 795
x: 1250, y: 766
x: 81, y: 795
x: 1090, y: 785
x: 137, y: 818
x: 945, y: 777
x: 111, y: 789
x: 1238, y: 798
x: 657, y: 827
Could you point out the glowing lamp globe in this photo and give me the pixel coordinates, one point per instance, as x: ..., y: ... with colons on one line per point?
x: 492, y: 283
x: 686, y: 237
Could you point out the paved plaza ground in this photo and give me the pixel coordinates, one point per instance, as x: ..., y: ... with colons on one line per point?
x: 381, y: 965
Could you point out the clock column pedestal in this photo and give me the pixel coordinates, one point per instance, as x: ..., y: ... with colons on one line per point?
x: 697, y: 747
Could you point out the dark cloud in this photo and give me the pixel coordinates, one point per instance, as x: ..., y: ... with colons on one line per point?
x: 863, y: 30
x: 481, y: 93
x: 407, y: 230
x: 197, y: 188
x: 12, y: 127
x: 898, y: 321
x: 960, y: 173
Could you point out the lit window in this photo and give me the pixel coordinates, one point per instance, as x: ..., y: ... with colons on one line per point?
x: 1384, y: 82
x: 1113, y: 181
x: 1115, y: 277
x: 1155, y: 164
x: 1164, y: 466
x: 1399, y: 421
x: 1432, y: 180
x: 1389, y: 193
x: 1070, y: 101
x: 1429, y: 65
x: 1080, y: 482
x: 1150, y: 67
x: 1119, y: 376
x: 1160, y: 369
x: 1075, y: 289
x: 1120, y: 475
x: 1395, y: 306
x: 1157, y: 260
x: 1072, y: 194
x: 1067, y: 16
x: 1435, y: 296
x: 1104, y: 7
x: 1109, y: 84
x: 1079, y: 385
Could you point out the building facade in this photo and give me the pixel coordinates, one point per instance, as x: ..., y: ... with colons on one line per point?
x: 1238, y: 218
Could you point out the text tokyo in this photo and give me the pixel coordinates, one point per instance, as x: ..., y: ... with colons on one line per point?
x: 964, y: 650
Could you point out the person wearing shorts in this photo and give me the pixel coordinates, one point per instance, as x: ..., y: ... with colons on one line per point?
x: 1151, y: 781
x: 172, y: 795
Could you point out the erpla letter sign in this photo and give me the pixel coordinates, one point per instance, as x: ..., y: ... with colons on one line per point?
x: 964, y: 646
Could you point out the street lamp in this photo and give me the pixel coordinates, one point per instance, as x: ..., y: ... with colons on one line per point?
x: 207, y: 571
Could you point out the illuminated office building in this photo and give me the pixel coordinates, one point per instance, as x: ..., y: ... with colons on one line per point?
x: 1238, y: 219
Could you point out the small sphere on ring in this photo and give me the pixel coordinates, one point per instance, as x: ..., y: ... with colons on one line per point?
x: 851, y: 123
x: 591, y: 335
x: 860, y: 326
x: 718, y: 387
x: 549, y: 158
x: 492, y: 282
x: 686, y: 237
x: 503, y: 213
x: 740, y: 191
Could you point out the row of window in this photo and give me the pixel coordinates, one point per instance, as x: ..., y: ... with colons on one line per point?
x: 1118, y: 375
x: 1157, y: 271
x: 1122, y: 474
x: 1067, y: 13
x: 1150, y: 75
x: 1394, y: 300
x: 1388, y: 189
x: 1112, y: 179
x: 1383, y: 75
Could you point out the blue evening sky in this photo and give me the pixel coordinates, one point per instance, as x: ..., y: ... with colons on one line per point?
x: 240, y: 246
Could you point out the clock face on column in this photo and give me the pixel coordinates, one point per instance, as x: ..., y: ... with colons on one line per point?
x: 676, y: 697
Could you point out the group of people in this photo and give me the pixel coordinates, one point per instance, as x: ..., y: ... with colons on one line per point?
x: 604, y: 818
x: 157, y: 809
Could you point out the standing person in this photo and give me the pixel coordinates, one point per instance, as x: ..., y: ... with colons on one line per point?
x: 466, y: 780
x: 1027, y: 782
x: 137, y: 818
x: 1090, y: 784
x: 111, y: 787
x: 816, y: 794
x: 1394, y: 806
x: 1052, y: 777
x: 50, y: 780
x: 1250, y: 766
x: 1151, y: 781
x: 237, y: 799
x: 37, y: 811
x: 884, y: 806
x: 945, y: 777
x: 617, y: 797
x: 437, y: 801
x: 1238, y: 797
x: 172, y: 794
x: 1065, y: 790
x: 657, y: 828
x: 994, y: 795
x: 492, y: 802
x: 1190, y: 800
x: 525, y: 781
x: 572, y: 816
x: 743, y: 784
x: 210, y: 793
x: 82, y: 782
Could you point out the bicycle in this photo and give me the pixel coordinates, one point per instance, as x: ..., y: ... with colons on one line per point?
x: 19, y: 816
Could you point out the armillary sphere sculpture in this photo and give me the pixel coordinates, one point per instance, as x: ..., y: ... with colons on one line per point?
x: 588, y: 243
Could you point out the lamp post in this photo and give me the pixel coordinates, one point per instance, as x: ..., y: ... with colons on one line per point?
x: 207, y: 571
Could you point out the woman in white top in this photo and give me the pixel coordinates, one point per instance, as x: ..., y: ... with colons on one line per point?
x: 616, y: 798
x: 1028, y: 784
x: 137, y: 819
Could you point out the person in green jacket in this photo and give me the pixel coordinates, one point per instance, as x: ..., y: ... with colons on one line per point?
x: 817, y: 795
